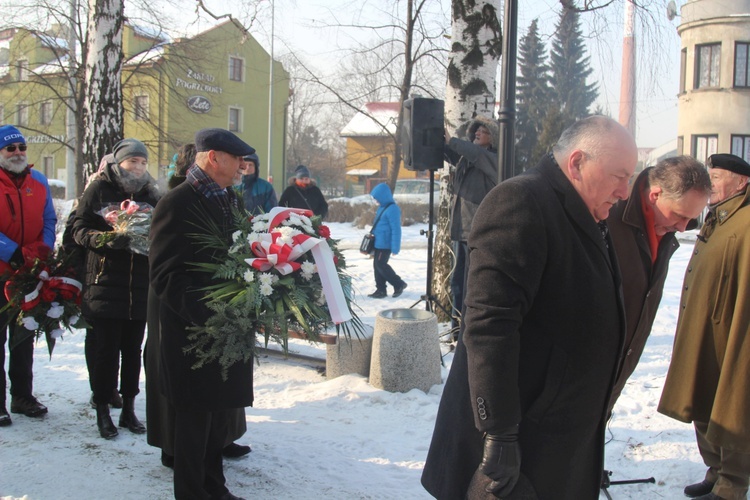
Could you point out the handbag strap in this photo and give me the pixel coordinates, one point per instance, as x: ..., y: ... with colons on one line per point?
x: 378, y: 217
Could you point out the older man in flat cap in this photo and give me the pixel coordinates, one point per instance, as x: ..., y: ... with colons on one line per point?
x: 203, y: 401
x: 710, y: 369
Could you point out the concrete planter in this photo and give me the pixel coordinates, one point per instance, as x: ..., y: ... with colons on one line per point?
x: 405, y: 351
x: 349, y: 356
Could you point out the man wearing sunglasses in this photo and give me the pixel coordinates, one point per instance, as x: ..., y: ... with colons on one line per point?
x: 26, y: 216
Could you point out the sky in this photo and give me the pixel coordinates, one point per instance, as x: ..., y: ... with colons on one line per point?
x: 314, y: 438
x: 304, y: 27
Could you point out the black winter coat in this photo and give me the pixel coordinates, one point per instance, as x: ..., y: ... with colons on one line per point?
x: 309, y: 198
x: 541, y: 346
x: 177, y: 285
x: 643, y: 282
x: 115, y: 281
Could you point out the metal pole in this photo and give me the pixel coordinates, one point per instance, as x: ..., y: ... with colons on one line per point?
x: 71, y: 131
x: 507, y: 114
x: 270, y: 101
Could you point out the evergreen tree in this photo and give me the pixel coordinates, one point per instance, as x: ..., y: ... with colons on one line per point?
x: 570, y: 69
x: 532, y: 97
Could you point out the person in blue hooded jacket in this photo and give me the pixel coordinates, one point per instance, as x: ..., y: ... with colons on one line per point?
x: 387, y: 232
x: 258, y: 194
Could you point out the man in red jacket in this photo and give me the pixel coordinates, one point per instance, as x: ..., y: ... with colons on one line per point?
x: 27, y: 216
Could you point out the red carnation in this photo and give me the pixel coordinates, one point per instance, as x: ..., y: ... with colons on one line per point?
x: 324, y: 231
x: 335, y: 261
x: 66, y: 294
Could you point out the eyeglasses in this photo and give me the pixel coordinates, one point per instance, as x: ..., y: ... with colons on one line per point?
x: 12, y: 148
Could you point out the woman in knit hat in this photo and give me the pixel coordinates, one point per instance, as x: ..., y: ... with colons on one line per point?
x: 116, y: 282
x: 303, y: 193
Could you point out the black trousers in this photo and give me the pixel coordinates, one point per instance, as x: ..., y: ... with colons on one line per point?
x: 21, y: 358
x: 383, y: 271
x: 114, y: 337
x: 198, y: 440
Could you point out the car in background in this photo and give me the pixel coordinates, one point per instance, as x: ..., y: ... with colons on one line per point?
x: 416, y: 191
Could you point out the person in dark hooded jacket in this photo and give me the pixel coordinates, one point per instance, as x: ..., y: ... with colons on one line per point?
x: 303, y: 193
x: 475, y: 162
x: 115, y: 282
x: 387, y: 233
x: 257, y: 194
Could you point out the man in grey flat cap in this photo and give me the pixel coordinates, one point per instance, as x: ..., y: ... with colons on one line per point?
x: 203, y: 401
x: 707, y: 379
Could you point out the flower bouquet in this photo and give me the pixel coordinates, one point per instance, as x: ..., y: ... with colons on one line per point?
x: 131, y: 219
x: 43, y: 298
x: 282, y: 273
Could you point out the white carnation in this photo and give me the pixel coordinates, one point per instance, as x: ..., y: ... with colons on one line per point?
x: 260, y: 226
x: 236, y: 236
x: 308, y: 269
x: 265, y: 279
x: 253, y: 238
x: 30, y: 323
x: 266, y: 289
x: 56, y: 333
x: 249, y: 276
x: 73, y: 319
x: 55, y: 310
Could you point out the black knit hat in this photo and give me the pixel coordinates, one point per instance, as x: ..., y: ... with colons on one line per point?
x: 218, y: 139
x: 128, y: 148
x: 301, y: 172
x: 729, y: 162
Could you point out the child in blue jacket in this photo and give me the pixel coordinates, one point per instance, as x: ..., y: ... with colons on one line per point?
x: 387, y: 232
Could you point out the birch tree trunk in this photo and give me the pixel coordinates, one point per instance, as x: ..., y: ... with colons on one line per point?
x: 102, y: 107
x: 476, y: 44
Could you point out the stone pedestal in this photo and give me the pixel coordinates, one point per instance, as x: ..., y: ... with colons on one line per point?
x: 349, y: 356
x: 405, y: 351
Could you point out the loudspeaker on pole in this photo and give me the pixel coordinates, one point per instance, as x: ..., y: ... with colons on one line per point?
x: 423, y: 133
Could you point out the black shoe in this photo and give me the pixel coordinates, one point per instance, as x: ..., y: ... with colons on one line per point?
x: 399, y: 290
x: 104, y: 423
x: 5, y: 420
x: 709, y: 496
x: 699, y: 489
x: 128, y: 418
x: 235, y: 450
x: 378, y: 294
x: 167, y: 460
x: 29, y: 406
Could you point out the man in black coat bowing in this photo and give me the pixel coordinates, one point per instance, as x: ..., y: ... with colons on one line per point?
x: 202, y: 399
x: 524, y: 408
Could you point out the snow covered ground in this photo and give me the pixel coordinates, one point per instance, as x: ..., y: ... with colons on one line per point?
x: 314, y: 438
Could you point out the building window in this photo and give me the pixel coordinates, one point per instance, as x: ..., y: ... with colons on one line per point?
x: 48, y: 166
x: 140, y: 111
x: 23, y: 70
x: 235, y: 119
x: 45, y: 113
x: 683, y: 64
x: 707, y: 63
x: 704, y: 146
x: 236, y: 69
x: 742, y: 64
x: 22, y: 114
x: 741, y: 146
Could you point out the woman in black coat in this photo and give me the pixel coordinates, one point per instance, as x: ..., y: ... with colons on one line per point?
x: 303, y: 193
x: 116, y: 282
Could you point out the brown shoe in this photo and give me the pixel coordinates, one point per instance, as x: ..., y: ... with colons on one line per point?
x: 29, y: 406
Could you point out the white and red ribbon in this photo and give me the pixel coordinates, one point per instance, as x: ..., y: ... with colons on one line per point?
x: 282, y: 257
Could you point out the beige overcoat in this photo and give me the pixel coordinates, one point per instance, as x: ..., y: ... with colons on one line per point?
x: 709, y: 375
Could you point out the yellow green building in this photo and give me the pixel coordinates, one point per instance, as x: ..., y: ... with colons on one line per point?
x: 218, y: 78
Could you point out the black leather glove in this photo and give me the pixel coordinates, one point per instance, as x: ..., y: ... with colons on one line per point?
x: 501, y: 461
x: 17, y: 258
x: 119, y: 242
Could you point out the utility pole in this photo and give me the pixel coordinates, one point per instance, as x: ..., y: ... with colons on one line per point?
x: 627, y: 80
x: 507, y: 115
x: 270, y: 102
